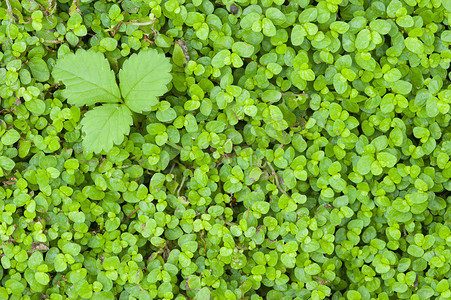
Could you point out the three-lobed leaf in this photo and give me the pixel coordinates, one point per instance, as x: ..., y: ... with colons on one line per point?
x: 89, y: 80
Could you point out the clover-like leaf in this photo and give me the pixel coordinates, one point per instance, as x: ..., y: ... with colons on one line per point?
x: 88, y: 78
x: 364, y: 164
x: 39, y: 69
x: 143, y: 78
x: 104, y: 126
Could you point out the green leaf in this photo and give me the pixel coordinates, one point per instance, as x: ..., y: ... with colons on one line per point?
x: 35, y: 260
x: 243, y: 49
x: 108, y: 43
x: 6, y: 163
x: 340, y: 83
x: 308, y: 15
x: 363, y: 39
x: 42, y: 278
x: 166, y: 115
x: 165, y: 287
x: 297, y: 35
x: 10, y: 137
x: 71, y: 164
x: 364, y: 164
x: 36, y: 106
x: 446, y: 36
x: 157, y: 180
x: 405, y: 21
x: 442, y: 286
x: 313, y: 269
x: 111, y: 263
x: 215, y: 126
x: 276, y: 16
x: 425, y: 292
x: 39, y: 69
x: 114, y: 12
x: 178, y: 56
x: 15, y: 286
x: 415, y: 250
x: 288, y: 260
x: 71, y: 248
x: 85, y: 290
x: 76, y: 216
x: 268, y: 27
x: 261, y: 207
x: 299, y: 143
x: 396, y: 136
x: 271, y: 96
x: 88, y: 78
x: 392, y: 75
x: 447, y: 4
x: 105, y: 126
x: 339, y: 26
x: 219, y: 60
x: 401, y: 205
x: 380, y: 143
x: 415, y: 45
x: 353, y: 295
x: 143, y: 78
x: 402, y: 87
x: 308, y: 74
x: 386, y: 159
x: 380, y: 26
x: 255, y: 174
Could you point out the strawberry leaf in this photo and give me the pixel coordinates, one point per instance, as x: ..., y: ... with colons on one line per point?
x: 104, y: 126
x: 88, y: 78
x: 143, y: 78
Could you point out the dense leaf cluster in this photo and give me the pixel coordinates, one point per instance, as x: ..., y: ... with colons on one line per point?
x: 302, y: 151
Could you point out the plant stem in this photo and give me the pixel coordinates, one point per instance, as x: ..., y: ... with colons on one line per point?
x: 277, y: 179
x: 128, y: 217
x: 9, y: 11
x: 181, y: 185
x: 141, y: 24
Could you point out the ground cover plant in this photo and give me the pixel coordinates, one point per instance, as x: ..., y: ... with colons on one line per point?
x: 197, y: 149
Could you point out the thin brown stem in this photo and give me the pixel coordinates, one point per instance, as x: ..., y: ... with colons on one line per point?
x: 277, y: 179
x: 129, y: 216
x: 141, y: 24
x: 300, y: 120
x: 294, y: 95
x: 172, y: 168
x: 181, y: 185
x: 53, y: 42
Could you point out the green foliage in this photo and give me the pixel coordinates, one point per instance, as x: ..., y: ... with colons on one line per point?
x: 89, y: 80
x: 143, y: 78
x: 106, y: 125
x: 225, y: 149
